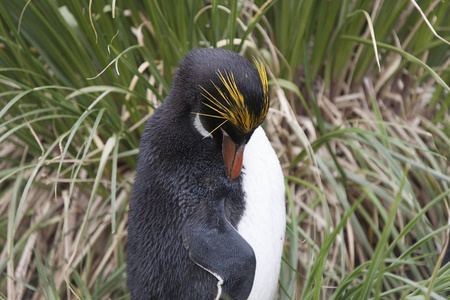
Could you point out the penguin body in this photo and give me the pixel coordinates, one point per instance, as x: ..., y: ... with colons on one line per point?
x: 185, y: 236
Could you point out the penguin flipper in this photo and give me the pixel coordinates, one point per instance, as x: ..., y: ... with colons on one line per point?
x: 217, y: 247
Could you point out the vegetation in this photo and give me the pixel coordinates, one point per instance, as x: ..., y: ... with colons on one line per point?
x: 361, y: 129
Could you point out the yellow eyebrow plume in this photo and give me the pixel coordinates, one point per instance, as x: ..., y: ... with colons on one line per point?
x: 235, y: 109
x: 263, y: 77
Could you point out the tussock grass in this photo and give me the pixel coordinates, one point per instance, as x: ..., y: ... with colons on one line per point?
x: 359, y: 119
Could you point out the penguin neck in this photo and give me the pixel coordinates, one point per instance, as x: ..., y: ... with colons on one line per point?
x: 190, y: 135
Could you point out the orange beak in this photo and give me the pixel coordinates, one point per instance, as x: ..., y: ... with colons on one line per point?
x: 232, y: 156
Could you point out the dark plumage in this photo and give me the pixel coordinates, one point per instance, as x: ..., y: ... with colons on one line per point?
x: 183, y: 204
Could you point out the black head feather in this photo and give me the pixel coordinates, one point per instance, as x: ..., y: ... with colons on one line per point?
x: 225, y: 89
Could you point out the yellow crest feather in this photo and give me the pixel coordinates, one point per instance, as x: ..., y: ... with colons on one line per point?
x: 235, y: 110
x: 263, y: 76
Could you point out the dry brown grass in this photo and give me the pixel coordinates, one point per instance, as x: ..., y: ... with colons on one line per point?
x: 63, y: 218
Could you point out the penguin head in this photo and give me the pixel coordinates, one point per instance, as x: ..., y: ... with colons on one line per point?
x: 228, y: 98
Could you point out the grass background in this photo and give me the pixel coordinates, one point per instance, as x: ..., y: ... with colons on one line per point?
x: 362, y: 130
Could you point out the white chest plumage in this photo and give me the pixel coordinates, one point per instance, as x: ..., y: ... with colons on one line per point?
x: 264, y: 220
